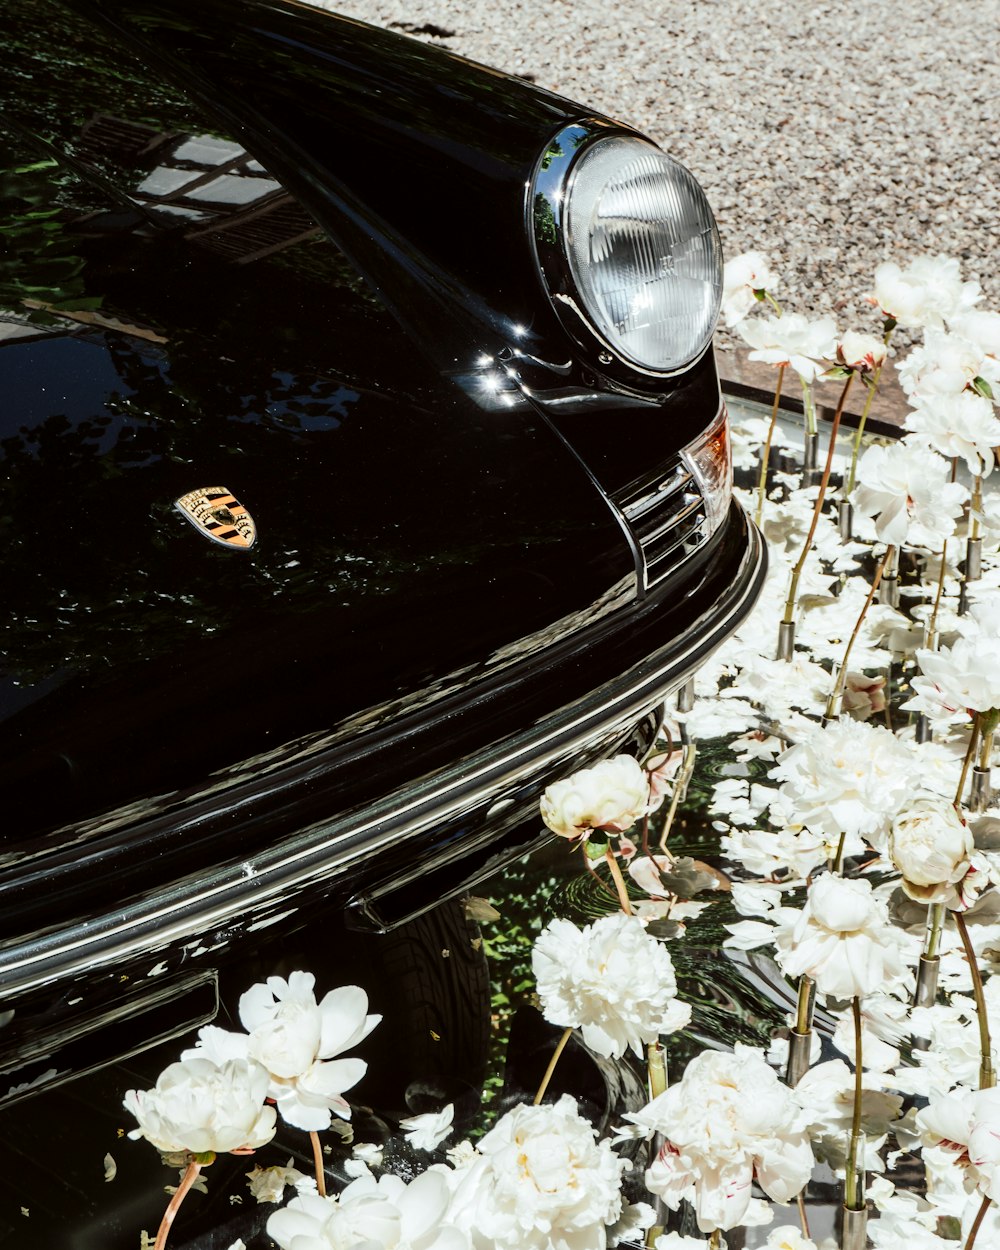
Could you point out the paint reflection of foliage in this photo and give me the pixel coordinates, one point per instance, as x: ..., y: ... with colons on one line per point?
x: 39, y: 260
x: 524, y: 893
x: 727, y: 1008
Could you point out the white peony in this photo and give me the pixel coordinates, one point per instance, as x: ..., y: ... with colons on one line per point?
x: 268, y: 1184
x: 741, y: 278
x: 932, y: 846
x: 428, y: 1131
x: 864, y: 352
x: 727, y: 1123
x: 958, y: 425
x: 792, y: 340
x: 611, y: 980
x: 968, y: 1123
x: 826, y: 1093
x: 907, y: 488
x: 612, y: 796
x: 980, y: 327
x: 788, y: 1237
x: 202, y: 1107
x: 382, y: 1214
x: 846, y: 777
x: 541, y: 1181
x: 295, y: 1039
x: 944, y: 365
x: 955, y: 681
x: 928, y: 292
x: 842, y: 940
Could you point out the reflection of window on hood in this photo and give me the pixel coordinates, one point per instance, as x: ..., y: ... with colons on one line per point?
x: 230, y: 202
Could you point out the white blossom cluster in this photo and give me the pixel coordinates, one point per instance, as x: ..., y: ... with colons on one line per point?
x: 848, y: 844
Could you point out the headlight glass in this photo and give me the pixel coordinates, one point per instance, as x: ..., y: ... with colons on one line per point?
x: 644, y: 252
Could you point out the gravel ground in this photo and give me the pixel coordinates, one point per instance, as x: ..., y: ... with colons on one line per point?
x: 831, y: 136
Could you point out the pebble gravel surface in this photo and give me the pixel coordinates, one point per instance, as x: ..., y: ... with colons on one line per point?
x: 831, y: 136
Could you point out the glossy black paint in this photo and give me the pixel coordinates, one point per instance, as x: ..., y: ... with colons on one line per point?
x: 432, y: 467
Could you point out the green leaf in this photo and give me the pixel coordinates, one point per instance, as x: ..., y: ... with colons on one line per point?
x: 596, y: 850
x: 982, y: 387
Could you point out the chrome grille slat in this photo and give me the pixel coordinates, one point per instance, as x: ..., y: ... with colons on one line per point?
x: 666, y: 513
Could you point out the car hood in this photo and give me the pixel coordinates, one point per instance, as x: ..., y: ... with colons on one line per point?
x: 408, y: 526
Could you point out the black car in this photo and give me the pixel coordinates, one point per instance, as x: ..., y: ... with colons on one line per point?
x: 365, y: 469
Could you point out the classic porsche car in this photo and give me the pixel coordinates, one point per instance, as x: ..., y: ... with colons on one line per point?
x: 365, y: 469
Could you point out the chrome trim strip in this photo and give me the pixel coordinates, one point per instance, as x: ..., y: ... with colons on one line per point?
x: 193, y: 906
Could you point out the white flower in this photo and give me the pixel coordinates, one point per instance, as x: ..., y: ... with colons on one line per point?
x: 268, y: 1184
x: 611, y: 980
x: 727, y: 1123
x: 826, y: 1093
x: 792, y: 340
x: 383, y: 1214
x: 955, y: 681
x: 849, y: 777
x: 928, y: 292
x: 907, y: 489
x: 427, y: 1132
x: 788, y: 1237
x: 861, y: 351
x: 864, y: 696
x: 945, y: 365
x: 968, y: 1122
x: 200, y: 1107
x: 741, y: 278
x: 294, y: 1037
x: 541, y: 1181
x: 766, y: 852
x: 931, y: 846
x: 612, y: 796
x: 979, y: 327
x: 958, y: 425
x: 842, y: 940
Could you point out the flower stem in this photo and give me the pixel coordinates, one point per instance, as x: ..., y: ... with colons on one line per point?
x: 987, y: 1077
x: 188, y: 1179
x: 619, y: 880
x: 975, y: 505
x: 560, y: 1047
x: 935, y: 923
x: 838, y: 686
x: 681, y: 782
x: 977, y: 1223
x: 595, y: 874
x: 853, y: 1191
x: 807, y: 1000
x: 656, y: 1066
x: 808, y: 407
x: 970, y: 752
x: 932, y: 623
x: 803, y: 1218
x: 715, y: 1241
x: 859, y: 433
x: 807, y: 545
x: 986, y: 751
x: 318, y: 1163
x: 765, y: 455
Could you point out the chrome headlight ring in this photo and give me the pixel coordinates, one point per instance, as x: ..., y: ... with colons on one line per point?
x: 628, y: 250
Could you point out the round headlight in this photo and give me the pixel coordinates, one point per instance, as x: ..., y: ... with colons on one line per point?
x: 642, y: 250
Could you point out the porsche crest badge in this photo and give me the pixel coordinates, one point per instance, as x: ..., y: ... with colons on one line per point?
x: 219, y: 515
